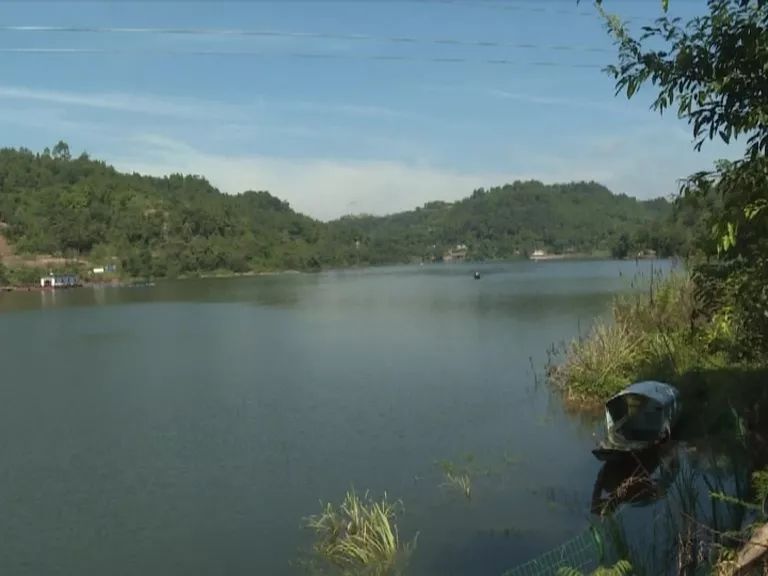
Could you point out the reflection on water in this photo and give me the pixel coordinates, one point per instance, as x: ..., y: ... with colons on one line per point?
x: 675, y: 506
x: 637, y: 478
x: 268, y: 290
x: 534, y: 289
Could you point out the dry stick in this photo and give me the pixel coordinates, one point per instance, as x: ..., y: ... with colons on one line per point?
x: 752, y: 550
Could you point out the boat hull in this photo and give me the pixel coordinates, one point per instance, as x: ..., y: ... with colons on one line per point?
x: 617, y: 453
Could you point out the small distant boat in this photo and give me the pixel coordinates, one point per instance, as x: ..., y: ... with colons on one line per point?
x: 540, y: 255
x: 638, y: 418
x: 477, y: 275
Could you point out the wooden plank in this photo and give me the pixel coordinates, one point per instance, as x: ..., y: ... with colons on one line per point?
x: 752, y: 551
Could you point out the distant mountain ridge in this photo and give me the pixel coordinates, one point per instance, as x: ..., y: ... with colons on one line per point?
x: 54, y: 204
x: 521, y: 217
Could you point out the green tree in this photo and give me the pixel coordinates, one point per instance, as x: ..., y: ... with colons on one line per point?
x: 714, y: 71
x: 620, y: 250
x: 182, y: 225
x: 61, y: 151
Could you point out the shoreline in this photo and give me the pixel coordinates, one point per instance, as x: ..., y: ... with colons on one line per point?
x: 212, y: 275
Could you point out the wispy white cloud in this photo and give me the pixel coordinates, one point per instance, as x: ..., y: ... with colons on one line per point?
x: 46, y: 122
x: 496, y: 93
x: 643, y: 160
x: 646, y: 163
x: 366, y: 111
x: 185, y: 107
x: 323, y: 188
x: 110, y: 101
x: 598, y: 105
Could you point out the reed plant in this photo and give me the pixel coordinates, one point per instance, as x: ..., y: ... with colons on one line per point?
x: 599, y: 365
x: 360, y: 536
x: 458, y: 476
x: 657, y: 334
x: 459, y: 481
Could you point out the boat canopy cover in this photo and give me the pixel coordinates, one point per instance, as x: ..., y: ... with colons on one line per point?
x: 658, y: 391
x: 642, y: 411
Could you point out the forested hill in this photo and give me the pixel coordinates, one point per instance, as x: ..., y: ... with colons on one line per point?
x: 518, y: 218
x: 53, y: 204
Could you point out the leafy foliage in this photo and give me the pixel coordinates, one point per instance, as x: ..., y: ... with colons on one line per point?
x: 714, y: 70
x: 760, y: 486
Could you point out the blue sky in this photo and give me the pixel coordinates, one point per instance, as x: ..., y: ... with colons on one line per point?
x: 339, y: 107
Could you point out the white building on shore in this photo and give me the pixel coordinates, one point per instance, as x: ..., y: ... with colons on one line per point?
x: 59, y: 281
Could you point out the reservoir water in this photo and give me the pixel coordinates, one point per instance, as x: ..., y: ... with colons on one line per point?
x: 187, y: 428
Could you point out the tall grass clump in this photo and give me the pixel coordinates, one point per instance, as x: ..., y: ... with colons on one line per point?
x: 597, y: 366
x: 360, y: 537
x: 657, y: 334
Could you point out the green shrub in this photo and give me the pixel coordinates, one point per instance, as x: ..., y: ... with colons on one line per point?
x: 25, y: 275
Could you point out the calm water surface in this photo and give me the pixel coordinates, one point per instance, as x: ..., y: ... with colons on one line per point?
x: 187, y: 428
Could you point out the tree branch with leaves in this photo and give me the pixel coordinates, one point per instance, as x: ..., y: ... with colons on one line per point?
x: 713, y: 71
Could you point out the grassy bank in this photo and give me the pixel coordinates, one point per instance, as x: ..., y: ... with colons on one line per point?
x: 657, y: 334
x: 672, y: 332
x: 665, y: 333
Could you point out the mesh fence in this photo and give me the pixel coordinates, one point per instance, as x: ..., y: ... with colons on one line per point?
x: 584, y: 552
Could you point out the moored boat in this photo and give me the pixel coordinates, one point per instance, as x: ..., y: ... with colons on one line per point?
x: 639, y: 417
